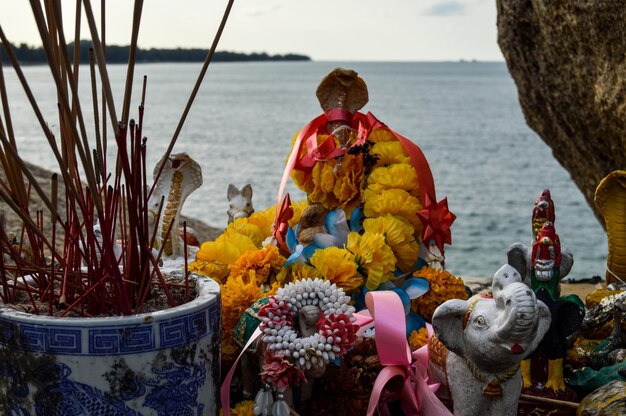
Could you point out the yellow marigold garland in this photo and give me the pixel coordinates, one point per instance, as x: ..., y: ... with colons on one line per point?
x: 214, y: 257
x: 337, y: 265
x: 394, y: 202
x: 300, y: 271
x: 258, y: 266
x: 237, y: 296
x: 388, y: 153
x: 374, y: 255
x: 443, y: 286
x: 396, y: 176
x: 248, y: 228
x: 381, y: 135
x: 336, y: 183
x: 398, y: 234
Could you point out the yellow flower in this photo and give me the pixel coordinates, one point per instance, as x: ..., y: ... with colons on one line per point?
x: 237, y: 296
x: 299, y: 271
x: 381, y: 135
x: 398, y: 176
x: 298, y: 207
x: 334, y: 183
x: 215, y: 270
x: 406, y: 255
x: 395, y: 202
x: 264, y: 220
x: 374, y: 255
x: 418, y: 338
x: 243, y: 408
x: 214, y: 257
x: 389, y: 153
x: 337, y: 265
x: 396, y: 230
x: 258, y: 266
x: 443, y: 286
x: 245, y: 227
x: 305, y: 182
x: 398, y: 234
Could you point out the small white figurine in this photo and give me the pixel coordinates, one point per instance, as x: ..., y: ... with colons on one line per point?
x: 239, y: 202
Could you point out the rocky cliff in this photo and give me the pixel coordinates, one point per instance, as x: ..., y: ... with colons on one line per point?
x: 568, y: 59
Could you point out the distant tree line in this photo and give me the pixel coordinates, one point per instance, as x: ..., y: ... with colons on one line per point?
x: 119, y: 54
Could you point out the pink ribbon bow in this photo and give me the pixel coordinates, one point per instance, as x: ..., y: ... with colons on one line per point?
x: 417, y: 395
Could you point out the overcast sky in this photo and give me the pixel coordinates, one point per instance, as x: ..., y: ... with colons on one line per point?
x: 356, y: 30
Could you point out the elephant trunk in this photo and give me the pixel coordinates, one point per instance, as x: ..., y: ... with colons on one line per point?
x: 519, y: 310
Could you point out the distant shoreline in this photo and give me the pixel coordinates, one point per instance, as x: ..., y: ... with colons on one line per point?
x: 116, y: 54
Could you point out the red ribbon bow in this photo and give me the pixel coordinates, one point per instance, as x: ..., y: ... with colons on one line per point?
x: 364, y: 124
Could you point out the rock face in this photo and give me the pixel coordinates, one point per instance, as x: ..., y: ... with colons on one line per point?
x: 568, y: 59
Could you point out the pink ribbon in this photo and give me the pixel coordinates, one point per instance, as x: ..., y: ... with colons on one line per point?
x: 225, y: 389
x: 417, y: 395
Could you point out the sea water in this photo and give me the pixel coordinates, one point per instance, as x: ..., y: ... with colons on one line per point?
x: 465, y: 116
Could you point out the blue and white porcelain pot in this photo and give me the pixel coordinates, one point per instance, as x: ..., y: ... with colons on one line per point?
x: 153, y: 364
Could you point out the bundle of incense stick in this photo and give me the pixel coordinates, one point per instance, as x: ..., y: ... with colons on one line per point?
x: 77, y: 266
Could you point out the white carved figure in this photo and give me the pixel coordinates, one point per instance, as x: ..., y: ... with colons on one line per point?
x: 181, y: 175
x: 239, y: 202
x: 480, y: 343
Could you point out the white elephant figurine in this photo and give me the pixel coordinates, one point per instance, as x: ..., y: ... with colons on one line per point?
x: 479, y: 344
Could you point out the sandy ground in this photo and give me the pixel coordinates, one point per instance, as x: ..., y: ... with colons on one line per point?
x: 580, y: 289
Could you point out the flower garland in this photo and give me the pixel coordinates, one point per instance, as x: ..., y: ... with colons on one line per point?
x: 443, y: 286
x: 335, y: 331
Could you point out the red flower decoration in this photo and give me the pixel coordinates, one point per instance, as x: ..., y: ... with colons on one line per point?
x: 437, y: 220
x: 275, y: 312
x: 341, y: 329
x: 280, y: 372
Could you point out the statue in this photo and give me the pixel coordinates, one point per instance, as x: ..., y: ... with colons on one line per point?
x: 179, y: 176
x: 610, y: 198
x: 479, y: 343
x: 542, y: 267
x: 239, y: 202
x: 542, y: 211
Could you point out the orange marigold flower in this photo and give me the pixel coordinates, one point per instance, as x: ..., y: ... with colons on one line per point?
x: 334, y: 183
x: 258, y: 266
x: 443, y: 286
x: 237, y: 296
